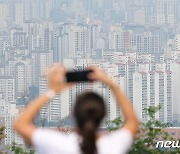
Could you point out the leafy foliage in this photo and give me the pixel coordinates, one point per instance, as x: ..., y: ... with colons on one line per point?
x: 2, y: 135
x: 150, y: 132
x: 15, y: 148
x: 19, y: 150
x: 115, y: 124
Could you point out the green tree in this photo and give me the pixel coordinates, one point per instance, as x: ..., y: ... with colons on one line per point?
x: 17, y: 149
x: 2, y: 134
x: 2, y: 137
x: 150, y: 132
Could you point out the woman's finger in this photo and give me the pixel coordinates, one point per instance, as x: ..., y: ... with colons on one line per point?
x: 92, y: 67
x: 91, y: 76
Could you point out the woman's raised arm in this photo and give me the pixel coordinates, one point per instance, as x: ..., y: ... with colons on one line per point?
x: 131, y: 122
x: 24, y: 123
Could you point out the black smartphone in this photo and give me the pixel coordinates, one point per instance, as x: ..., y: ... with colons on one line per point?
x: 78, y: 76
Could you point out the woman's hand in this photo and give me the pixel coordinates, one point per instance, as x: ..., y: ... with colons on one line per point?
x: 56, y: 78
x: 100, y: 75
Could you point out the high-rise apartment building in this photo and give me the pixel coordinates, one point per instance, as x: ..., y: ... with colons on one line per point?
x: 4, y: 14
x: 41, y: 60
x: 20, y: 78
x: 40, y: 36
x: 9, y: 112
x: 19, y: 13
x: 111, y: 104
x: 63, y: 47
x: 170, y: 12
x: 146, y: 43
x: 165, y: 12
x: 39, y: 9
x: 4, y: 43
x: 75, y: 40
x: 177, y: 42
x: 7, y: 88
x: 153, y: 88
x: 57, y: 30
x: 116, y: 37
x: 95, y: 34
x: 23, y: 77
x: 19, y: 39
x: 175, y: 68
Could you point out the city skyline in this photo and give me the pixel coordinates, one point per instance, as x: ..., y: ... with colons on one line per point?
x: 136, y: 42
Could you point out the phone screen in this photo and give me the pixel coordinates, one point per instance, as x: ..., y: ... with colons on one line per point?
x: 78, y: 76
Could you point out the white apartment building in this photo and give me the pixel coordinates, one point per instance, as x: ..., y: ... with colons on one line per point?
x: 170, y: 12
x: 39, y: 35
x: 19, y: 14
x: 175, y: 55
x: 10, y: 112
x: 45, y: 61
x: 4, y: 14
x: 20, y: 79
x: 4, y: 42
x: 7, y: 88
x: 153, y: 88
x: 63, y: 47
x: 81, y: 37
x: 119, y: 57
x: 161, y: 19
x: 95, y: 34
x: 22, y: 71
x: 120, y: 79
x: 39, y: 9
x: 19, y: 39
x: 130, y: 69
x: 177, y: 42
x: 41, y: 61
x: 175, y: 68
x: 126, y: 67
x: 140, y: 97
x: 111, y: 104
x: 116, y: 37
x: 75, y: 40
x: 165, y: 10
x: 146, y: 43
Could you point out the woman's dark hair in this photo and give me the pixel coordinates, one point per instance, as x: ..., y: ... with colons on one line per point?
x: 89, y: 110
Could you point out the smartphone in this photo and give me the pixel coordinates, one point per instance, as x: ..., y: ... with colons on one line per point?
x: 78, y: 76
